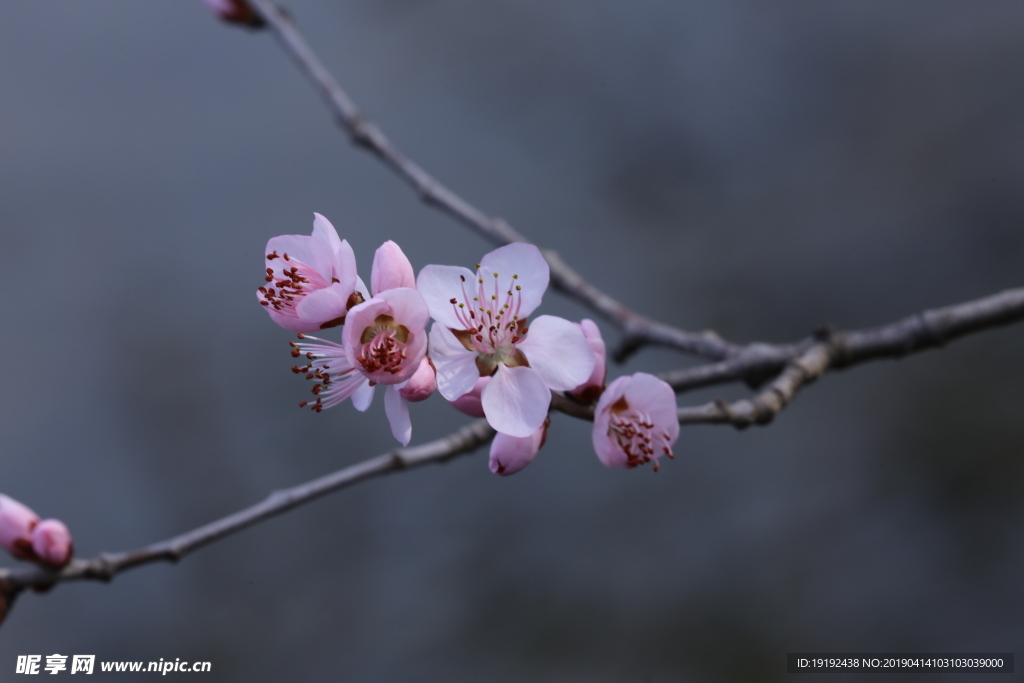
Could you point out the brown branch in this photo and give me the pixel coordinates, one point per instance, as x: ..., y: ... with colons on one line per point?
x: 638, y: 330
x: 799, y: 364
x: 105, y: 566
x: 756, y: 363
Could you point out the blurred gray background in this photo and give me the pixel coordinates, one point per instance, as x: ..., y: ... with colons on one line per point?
x: 756, y: 168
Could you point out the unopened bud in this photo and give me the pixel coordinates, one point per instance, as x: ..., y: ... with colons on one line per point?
x: 51, y: 542
x: 509, y: 454
x: 16, y: 524
x: 591, y: 390
x: 422, y: 383
x: 236, y: 12
x: 469, y: 403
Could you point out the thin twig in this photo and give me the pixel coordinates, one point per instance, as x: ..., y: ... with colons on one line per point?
x: 802, y: 363
x: 756, y: 363
x: 105, y: 566
x: 638, y: 330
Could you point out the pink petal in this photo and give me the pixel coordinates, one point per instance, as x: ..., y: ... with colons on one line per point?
x: 606, y: 447
x: 343, y: 266
x: 391, y: 269
x: 439, y: 285
x: 558, y: 351
x: 359, y: 318
x: 516, y: 401
x: 591, y: 389
x: 325, y: 234
x: 407, y: 308
x: 322, y: 306
x: 302, y: 248
x: 654, y: 397
x: 455, y: 364
x: 398, y: 415
x: 526, y: 261
x: 51, y: 542
x: 509, y: 454
x: 422, y: 384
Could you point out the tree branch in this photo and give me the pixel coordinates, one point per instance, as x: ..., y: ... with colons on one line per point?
x: 797, y: 365
x: 638, y: 330
x: 105, y: 566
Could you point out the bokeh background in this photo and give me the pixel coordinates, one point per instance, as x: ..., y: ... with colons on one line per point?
x: 756, y: 168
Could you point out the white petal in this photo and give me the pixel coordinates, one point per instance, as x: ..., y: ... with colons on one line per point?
x: 558, y: 350
x: 516, y: 401
x: 439, y: 285
x: 398, y: 414
x: 455, y: 365
x: 362, y: 397
x: 524, y: 260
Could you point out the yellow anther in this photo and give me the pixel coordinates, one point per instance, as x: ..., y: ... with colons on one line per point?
x: 495, y: 275
x: 515, y: 277
x: 518, y: 288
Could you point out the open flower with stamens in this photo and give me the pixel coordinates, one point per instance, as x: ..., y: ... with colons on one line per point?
x: 384, y: 342
x: 311, y: 280
x: 482, y: 331
x: 635, y: 422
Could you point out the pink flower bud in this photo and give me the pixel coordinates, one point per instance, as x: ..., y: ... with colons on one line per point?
x: 509, y: 454
x: 589, y: 391
x: 422, y: 384
x: 391, y: 269
x: 51, y: 542
x: 16, y: 524
x: 470, y: 402
x: 236, y: 12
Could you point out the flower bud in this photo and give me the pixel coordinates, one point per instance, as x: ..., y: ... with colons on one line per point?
x: 509, y: 454
x: 470, y: 403
x: 236, y: 12
x: 422, y: 384
x: 16, y: 524
x: 51, y: 542
x: 589, y: 391
x: 391, y: 269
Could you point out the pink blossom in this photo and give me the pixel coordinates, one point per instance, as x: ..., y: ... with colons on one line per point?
x: 311, y: 281
x: 592, y: 388
x: 635, y: 422
x: 16, y: 524
x: 482, y: 331
x: 384, y: 342
x: 51, y: 542
x: 509, y: 454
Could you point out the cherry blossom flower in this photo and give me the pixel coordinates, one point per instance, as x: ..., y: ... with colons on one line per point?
x: 482, y: 331
x: 311, y: 280
x: 635, y: 422
x: 384, y: 341
x: 589, y: 391
x: 510, y: 454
